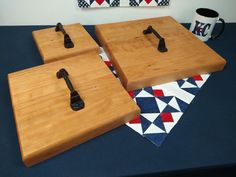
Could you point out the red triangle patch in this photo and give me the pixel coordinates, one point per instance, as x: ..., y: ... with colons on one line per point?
x: 148, y: 1
x: 135, y: 121
x: 100, y: 1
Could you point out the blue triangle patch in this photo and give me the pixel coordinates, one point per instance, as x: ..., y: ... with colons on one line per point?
x: 156, y: 138
x: 111, y: 68
x: 193, y: 91
x: 149, y: 90
x: 182, y: 105
x: 192, y: 81
x: 165, y: 99
x: 169, y: 108
x: 136, y: 92
x: 145, y: 123
x: 147, y: 105
x: 180, y: 82
x: 159, y: 123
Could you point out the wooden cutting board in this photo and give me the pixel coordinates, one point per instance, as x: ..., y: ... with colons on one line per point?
x: 51, y: 43
x: 138, y: 62
x: 46, y: 124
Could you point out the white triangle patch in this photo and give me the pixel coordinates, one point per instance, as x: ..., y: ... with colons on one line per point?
x: 136, y: 127
x: 169, y: 126
x: 176, y: 116
x: 174, y: 104
x: 88, y: 1
x: 199, y: 83
x: 150, y: 116
x: 161, y: 104
x: 188, y: 85
x: 205, y: 77
x: 153, y: 129
x: 143, y: 93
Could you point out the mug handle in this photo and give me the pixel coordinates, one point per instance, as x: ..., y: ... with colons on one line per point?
x: 222, y: 29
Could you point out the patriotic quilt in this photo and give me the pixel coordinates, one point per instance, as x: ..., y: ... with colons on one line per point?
x: 121, y: 3
x: 161, y: 106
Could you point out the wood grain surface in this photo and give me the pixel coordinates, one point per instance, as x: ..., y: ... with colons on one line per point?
x: 46, y: 125
x: 51, y: 44
x: 138, y: 62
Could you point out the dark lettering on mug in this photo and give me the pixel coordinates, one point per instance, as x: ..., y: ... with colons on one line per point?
x: 200, y: 29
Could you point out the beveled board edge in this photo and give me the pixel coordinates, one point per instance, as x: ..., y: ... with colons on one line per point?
x: 13, y: 108
x: 133, y: 85
x: 74, y: 141
x: 117, y: 67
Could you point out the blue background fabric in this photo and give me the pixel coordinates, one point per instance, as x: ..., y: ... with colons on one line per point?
x: 203, y: 141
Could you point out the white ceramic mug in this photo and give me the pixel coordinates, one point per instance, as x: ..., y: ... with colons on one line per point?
x: 204, y: 22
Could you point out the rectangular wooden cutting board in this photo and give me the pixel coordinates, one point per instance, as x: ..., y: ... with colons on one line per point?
x: 51, y: 43
x: 46, y: 124
x: 138, y: 62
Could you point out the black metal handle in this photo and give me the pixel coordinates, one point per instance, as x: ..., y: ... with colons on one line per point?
x: 161, y: 46
x: 222, y: 29
x: 67, y: 40
x: 76, y: 103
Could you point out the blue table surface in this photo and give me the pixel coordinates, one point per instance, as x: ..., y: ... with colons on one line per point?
x: 205, y: 137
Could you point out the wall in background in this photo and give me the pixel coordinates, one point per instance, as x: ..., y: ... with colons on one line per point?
x: 49, y: 12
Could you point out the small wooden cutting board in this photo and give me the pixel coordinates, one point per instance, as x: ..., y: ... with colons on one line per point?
x: 51, y: 43
x: 46, y: 124
x: 138, y: 62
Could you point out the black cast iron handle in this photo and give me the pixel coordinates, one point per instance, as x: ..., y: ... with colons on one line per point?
x: 67, y: 40
x: 161, y: 46
x: 76, y: 103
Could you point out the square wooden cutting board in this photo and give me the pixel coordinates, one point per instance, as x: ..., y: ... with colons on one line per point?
x: 51, y: 43
x: 138, y: 62
x: 46, y: 124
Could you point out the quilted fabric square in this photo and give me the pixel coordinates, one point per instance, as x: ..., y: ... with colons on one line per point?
x: 161, y: 106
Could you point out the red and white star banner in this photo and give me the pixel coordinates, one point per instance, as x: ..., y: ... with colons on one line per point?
x: 121, y: 3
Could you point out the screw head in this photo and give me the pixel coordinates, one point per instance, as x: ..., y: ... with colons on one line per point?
x: 62, y: 72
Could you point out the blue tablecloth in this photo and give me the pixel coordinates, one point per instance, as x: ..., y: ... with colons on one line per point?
x: 205, y: 137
